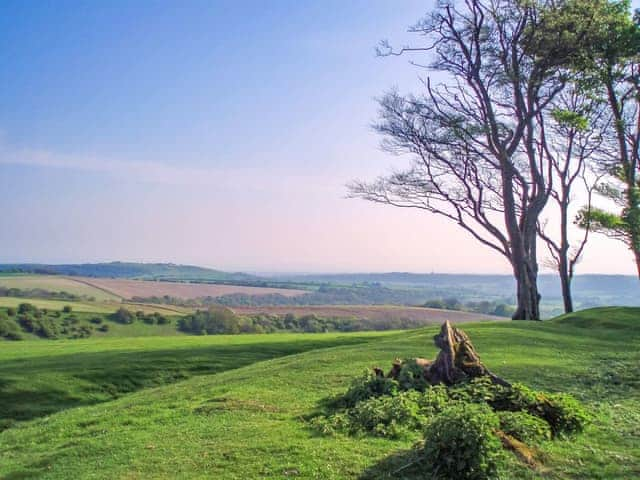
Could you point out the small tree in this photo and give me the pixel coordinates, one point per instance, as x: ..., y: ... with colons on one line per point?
x: 575, y: 126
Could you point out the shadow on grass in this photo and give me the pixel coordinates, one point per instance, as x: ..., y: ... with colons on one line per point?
x: 402, y: 465
x: 36, y: 387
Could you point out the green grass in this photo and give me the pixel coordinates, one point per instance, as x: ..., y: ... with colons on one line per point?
x: 249, y: 421
x: 87, y: 307
x: 92, y: 307
x: 41, y: 377
x: 55, y: 283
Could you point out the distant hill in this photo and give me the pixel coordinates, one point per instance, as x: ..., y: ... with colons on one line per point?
x: 143, y: 271
x: 588, y: 290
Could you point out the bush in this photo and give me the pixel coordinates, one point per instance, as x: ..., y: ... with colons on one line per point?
x: 411, y: 376
x: 67, y: 309
x: 368, y: 386
x: 25, y: 308
x: 9, y: 329
x: 382, y: 416
x: 11, y: 312
x: 524, y: 427
x: 123, y: 316
x: 387, y: 416
x: 212, y: 321
x: 103, y: 328
x: 460, y: 444
x: 563, y: 412
x: 96, y: 320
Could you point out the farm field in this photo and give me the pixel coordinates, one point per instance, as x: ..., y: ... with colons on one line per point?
x: 142, y: 288
x: 56, y: 283
x: 92, y: 307
x: 377, y: 313
x: 86, y: 307
x: 242, y: 413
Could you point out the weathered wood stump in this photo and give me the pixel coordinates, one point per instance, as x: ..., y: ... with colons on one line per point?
x: 457, y: 360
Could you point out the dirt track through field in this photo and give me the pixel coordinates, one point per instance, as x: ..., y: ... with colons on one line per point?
x: 372, y: 312
x: 145, y: 288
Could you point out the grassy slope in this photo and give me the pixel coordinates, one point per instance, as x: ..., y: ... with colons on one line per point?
x: 247, y: 423
x: 56, y: 283
x: 42, y: 377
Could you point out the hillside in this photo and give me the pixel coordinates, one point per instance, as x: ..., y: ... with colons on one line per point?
x: 249, y: 422
x: 143, y: 271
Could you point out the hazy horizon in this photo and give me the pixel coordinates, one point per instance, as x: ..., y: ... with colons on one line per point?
x: 215, y: 134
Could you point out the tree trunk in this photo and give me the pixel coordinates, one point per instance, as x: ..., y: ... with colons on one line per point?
x: 563, y: 263
x: 565, y: 282
x: 528, y: 298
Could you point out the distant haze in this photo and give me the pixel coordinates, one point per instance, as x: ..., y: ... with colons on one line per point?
x: 218, y: 134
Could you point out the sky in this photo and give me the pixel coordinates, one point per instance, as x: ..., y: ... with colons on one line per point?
x: 216, y: 133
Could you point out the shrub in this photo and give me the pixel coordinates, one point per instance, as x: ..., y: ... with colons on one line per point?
x: 11, y: 312
x: 387, y: 416
x: 460, y: 443
x: 162, y: 320
x: 411, y: 376
x: 368, y: 386
x: 96, y: 320
x: 25, y: 308
x: 212, y: 321
x: 382, y: 416
x: 433, y: 400
x: 26, y: 322
x: 123, y: 316
x: 103, y: 328
x: 525, y: 427
x: 67, y: 309
x: 9, y: 329
x: 563, y: 412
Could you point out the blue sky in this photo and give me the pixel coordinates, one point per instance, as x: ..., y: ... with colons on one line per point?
x: 219, y: 133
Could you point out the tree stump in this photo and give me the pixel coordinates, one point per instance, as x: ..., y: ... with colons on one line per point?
x: 457, y: 360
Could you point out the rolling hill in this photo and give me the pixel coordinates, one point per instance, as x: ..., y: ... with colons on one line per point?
x: 247, y: 418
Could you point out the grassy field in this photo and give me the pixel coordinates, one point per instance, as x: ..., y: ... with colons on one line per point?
x: 373, y: 313
x: 42, y: 377
x: 125, y: 288
x: 236, y: 419
x: 93, y: 307
x: 56, y: 283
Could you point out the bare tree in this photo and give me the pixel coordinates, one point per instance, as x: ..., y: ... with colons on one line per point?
x: 576, y: 137
x: 477, y: 142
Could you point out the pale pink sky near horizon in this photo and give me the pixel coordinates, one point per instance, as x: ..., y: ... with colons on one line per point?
x: 174, y: 136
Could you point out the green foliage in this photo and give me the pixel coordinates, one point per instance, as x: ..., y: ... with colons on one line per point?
x: 564, y: 413
x: 369, y: 385
x: 386, y: 416
x: 211, y: 322
x: 8, y: 328
x: 525, y: 427
x: 26, y: 308
x: 570, y: 119
x: 411, y: 376
x: 122, y: 315
x: 460, y: 443
x: 67, y: 309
